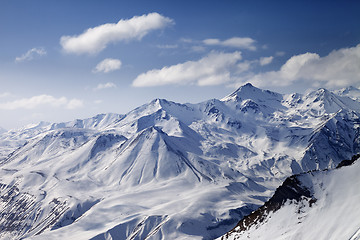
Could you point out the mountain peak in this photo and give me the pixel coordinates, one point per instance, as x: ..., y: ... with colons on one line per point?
x: 248, y: 91
x: 247, y: 88
x: 248, y: 85
x: 2, y: 130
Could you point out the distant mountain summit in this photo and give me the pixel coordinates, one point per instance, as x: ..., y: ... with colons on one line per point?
x: 167, y: 170
x: 351, y: 92
x: 2, y: 130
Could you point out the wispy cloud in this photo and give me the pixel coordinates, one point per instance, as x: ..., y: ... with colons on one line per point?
x: 105, y: 85
x: 266, y: 60
x: 41, y: 100
x: 235, y: 42
x: 198, y: 49
x: 280, y: 53
x: 107, y: 65
x: 213, y: 69
x: 96, y: 39
x: 168, y: 46
x: 186, y: 40
x: 74, y: 104
x: 29, y: 55
x: 338, y: 69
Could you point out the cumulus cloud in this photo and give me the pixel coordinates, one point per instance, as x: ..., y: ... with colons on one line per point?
x: 340, y: 68
x: 213, y: 69
x: 235, y: 42
x: 107, y: 65
x: 105, y: 85
x: 29, y: 55
x: 94, y: 40
x: 265, y: 60
x: 41, y: 100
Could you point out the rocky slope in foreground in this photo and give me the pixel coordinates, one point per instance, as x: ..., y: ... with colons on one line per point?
x: 167, y: 170
x: 314, y: 205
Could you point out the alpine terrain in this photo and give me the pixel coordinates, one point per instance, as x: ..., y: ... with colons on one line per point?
x: 187, y: 171
x: 313, y: 205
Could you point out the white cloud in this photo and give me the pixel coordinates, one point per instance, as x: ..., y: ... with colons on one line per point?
x: 243, y: 66
x: 265, y: 60
x: 338, y: 69
x: 280, y: 53
x: 235, y: 42
x: 212, y: 41
x: 94, y: 40
x: 105, y: 85
x: 198, y: 49
x: 29, y: 55
x: 213, y: 69
x: 41, y: 100
x: 74, y: 104
x: 107, y: 65
x: 186, y: 40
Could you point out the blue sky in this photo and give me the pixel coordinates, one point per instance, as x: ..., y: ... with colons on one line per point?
x: 62, y: 60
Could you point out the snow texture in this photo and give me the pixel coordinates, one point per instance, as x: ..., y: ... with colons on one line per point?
x: 167, y: 170
x: 334, y: 214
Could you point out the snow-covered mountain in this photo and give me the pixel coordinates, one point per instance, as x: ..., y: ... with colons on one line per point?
x: 167, y: 170
x: 2, y: 130
x: 15, y: 138
x: 313, y: 205
x: 351, y: 92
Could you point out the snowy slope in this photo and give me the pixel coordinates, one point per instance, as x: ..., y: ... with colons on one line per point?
x: 327, y: 208
x: 351, y: 92
x: 2, y: 130
x: 167, y: 170
x: 15, y: 138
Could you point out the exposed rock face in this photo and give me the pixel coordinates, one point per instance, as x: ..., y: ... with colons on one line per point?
x: 20, y: 210
x: 291, y: 189
x: 294, y: 190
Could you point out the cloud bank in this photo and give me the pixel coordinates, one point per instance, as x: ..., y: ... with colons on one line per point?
x: 235, y: 42
x: 340, y: 68
x: 94, y: 40
x: 41, y: 100
x: 214, y: 69
x: 29, y: 55
x: 107, y: 65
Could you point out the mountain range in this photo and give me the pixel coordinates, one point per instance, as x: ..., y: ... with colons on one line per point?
x: 171, y: 171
